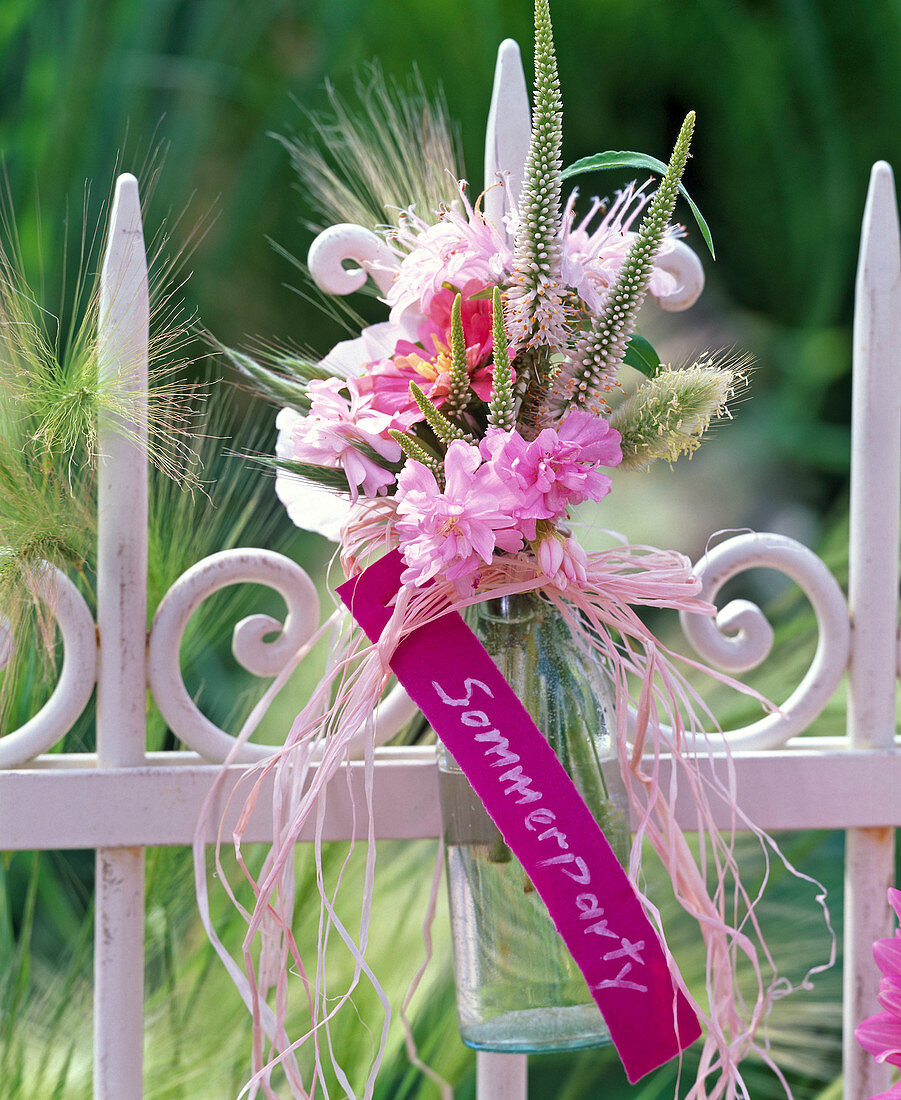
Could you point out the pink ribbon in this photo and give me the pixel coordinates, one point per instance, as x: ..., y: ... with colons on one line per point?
x: 542, y: 818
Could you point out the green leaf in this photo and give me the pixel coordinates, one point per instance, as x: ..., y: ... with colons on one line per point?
x: 641, y: 355
x: 330, y: 477
x: 623, y: 159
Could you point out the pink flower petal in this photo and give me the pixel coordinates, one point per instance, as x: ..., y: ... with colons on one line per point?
x: 880, y: 1036
x: 887, y: 954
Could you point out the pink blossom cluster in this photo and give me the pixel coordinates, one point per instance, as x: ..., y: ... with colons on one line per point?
x: 501, y: 494
x: 339, y: 430
x: 504, y: 493
x: 369, y: 394
x: 880, y: 1035
x: 462, y: 251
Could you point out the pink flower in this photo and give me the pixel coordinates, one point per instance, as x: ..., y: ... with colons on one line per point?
x: 591, y: 258
x: 880, y: 1035
x: 333, y: 432
x: 562, y: 560
x: 457, y: 250
x: 452, y: 532
x: 428, y: 362
x: 309, y: 506
x: 557, y: 469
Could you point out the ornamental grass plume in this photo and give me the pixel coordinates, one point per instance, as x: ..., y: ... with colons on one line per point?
x: 880, y: 1035
x: 668, y: 414
x: 52, y: 396
x: 366, y: 166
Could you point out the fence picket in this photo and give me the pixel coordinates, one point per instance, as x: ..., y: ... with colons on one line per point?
x: 122, y: 625
x: 872, y: 601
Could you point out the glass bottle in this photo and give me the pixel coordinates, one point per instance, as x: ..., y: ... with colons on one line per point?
x: 518, y: 989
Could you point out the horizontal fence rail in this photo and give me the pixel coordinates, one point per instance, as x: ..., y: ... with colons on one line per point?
x: 158, y: 802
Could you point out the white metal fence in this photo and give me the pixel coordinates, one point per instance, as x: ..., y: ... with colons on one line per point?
x: 122, y: 799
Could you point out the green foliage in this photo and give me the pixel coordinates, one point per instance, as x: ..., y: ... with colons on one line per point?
x: 641, y: 355
x: 622, y: 159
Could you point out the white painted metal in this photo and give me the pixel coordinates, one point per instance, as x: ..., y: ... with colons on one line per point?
x: 122, y: 486
x: 502, y: 1076
x: 83, y: 806
x: 119, y: 974
x: 261, y: 657
x: 77, y: 676
x: 507, y: 136
x: 250, y: 646
x: 873, y: 598
x: 740, y: 637
x: 123, y: 329
x: 339, y: 243
x: 683, y: 264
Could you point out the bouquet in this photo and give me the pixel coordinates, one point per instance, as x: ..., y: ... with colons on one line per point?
x: 450, y: 444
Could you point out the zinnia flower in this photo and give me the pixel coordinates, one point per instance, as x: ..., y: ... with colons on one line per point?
x: 428, y: 362
x: 880, y: 1035
x: 452, y: 532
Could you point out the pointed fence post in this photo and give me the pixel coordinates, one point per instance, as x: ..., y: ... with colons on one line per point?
x: 873, y: 602
x: 122, y: 625
x: 507, y: 134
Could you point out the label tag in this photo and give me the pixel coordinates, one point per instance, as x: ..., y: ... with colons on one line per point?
x: 542, y: 818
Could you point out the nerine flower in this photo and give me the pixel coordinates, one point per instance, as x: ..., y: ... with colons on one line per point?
x: 451, y: 532
x: 309, y: 506
x: 880, y: 1035
x: 557, y: 469
x: 331, y: 435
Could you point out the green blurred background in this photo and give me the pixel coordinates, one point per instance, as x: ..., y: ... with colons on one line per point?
x: 795, y: 100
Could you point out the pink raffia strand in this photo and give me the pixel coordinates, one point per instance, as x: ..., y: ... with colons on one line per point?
x: 444, y: 1087
x: 601, y: 613
x: 880, y: 1035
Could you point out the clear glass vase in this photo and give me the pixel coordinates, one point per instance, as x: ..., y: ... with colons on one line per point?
x: 518, y: 989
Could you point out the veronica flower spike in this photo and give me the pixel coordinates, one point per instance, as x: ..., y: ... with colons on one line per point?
x: 591, y: 369
x: 501, y: 408
x: 536, y: 311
